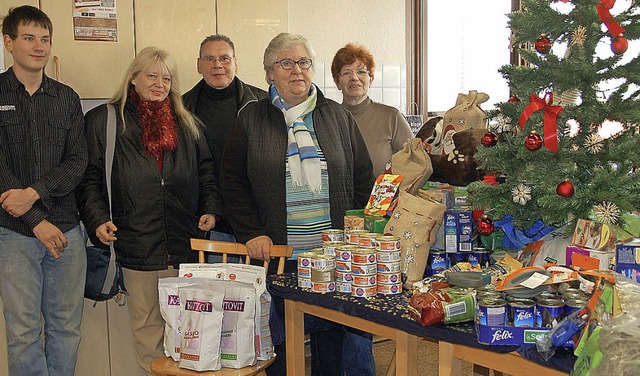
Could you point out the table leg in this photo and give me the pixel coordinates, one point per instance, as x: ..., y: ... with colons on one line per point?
x: 406, y: 356
x: 448, y: 365
x: 294, y: 325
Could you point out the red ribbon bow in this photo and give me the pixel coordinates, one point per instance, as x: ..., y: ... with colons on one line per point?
x: 550, y: 118
x: 605, y: 16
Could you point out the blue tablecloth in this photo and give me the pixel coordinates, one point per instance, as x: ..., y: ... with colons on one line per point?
x: 391, y: 310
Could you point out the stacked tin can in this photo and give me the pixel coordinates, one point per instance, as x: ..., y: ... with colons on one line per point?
x: 304, y: 269
x: 364, y: 264
x: 344, y: 274
x: 388, y: 265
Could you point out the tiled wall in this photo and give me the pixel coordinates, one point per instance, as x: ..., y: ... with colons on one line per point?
x: 389, y: 85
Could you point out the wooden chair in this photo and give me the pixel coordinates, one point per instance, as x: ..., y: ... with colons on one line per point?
x: 166, y: 366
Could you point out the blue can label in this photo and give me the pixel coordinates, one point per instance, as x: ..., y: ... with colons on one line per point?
x: 437, y: 261
x: 549, y: 313
x: 492, y: 312
x: 523, y: 314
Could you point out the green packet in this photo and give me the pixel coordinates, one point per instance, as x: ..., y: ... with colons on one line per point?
x: 462, y: 306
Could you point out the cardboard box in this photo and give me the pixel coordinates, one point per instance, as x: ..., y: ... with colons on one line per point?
x: 628, y: 259
x: 458, y: 231
x: 443, y: 196
x: 592, y: 235
x: 512, y: 335
x: 375, y: 224
x: 588, y: 259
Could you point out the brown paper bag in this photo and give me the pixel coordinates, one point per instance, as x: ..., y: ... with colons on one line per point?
x: 414, y: 164
x: 416, y: 222
x: 466, y: 114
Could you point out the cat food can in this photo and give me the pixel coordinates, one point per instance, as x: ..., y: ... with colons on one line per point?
x: 389, y: 288
x: 329, y: 248
x: 388, y: 267
x: 368, y: 240
x: 332, y: 235
x: 492, y: 312
x: 304, y: 272
x: 573, y: 305
x: 323, y: 287
x: 487, y: 287
x: 386, y: 256
x: 323, y: 262
x: 479, y: 257
x: 437, y: 261
x: 388, y: 278
x: 304, y: 259
x: 549, y: 312
x: 344, y: 287
x: 345, y: 252
x: 481, y: 295
x: 364, y: 256
x: 574, y: 296
x: 344, y: 276
x: 353, y: 236
x: 363, y: 269
x: 343, y: 266
x: 364, y: 280
x: 364, y: 291
x: 305, y: 283
x: 322, y: 275
x: 387, y: 243
x: 522, y: 313
x: 456, y: 257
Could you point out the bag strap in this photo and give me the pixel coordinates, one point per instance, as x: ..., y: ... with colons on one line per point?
x: 108, y: 164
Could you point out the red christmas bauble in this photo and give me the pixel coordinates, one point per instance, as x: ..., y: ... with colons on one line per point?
x: 543, y: 44
x: 565, y: 189
x: 514, y: 99
x: 489, y: 139
x: 533, y: 141
x: 619, y: 45
x: 485, y: 225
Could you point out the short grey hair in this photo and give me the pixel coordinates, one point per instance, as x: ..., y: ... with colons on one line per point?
x: 282, y: 42
x: 217, y: 38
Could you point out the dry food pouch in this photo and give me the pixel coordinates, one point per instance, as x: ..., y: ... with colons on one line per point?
x: 383, y: 192
x: 170, y: 310
x: 237, y: 348
x: 201, y: 312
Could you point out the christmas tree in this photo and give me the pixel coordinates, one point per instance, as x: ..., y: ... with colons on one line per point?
x: 556, y: 166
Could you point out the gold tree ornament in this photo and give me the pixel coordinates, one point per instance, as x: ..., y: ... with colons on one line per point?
x: 593, y: 143
x: 521, y: 194
x: 579, y: 36
x: 607, y: 212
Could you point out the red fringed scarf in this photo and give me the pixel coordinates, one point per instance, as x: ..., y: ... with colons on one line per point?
x: 158, y: 122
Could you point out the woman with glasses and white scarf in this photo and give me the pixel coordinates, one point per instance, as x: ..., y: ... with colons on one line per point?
x: 293, y: 164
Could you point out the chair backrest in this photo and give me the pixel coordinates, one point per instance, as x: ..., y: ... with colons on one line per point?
x: 228, y: 248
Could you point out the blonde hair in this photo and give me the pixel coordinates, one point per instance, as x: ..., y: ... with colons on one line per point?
x: 144, y: 59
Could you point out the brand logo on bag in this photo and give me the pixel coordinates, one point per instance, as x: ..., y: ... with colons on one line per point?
x: 198, y: 306
x: 233, y: 305
x: 501, y: 335
x: 173, y: 300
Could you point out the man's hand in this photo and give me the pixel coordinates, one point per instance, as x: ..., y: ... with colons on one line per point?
x: 16, y: 202
x: 106, y: 232
x: 258, y: 248
x: 207, y: 222
x: 51, y: 237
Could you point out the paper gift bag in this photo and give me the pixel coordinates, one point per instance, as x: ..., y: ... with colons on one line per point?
x: 416, y: 222
x: 413, y: 164
x: 466, y: 114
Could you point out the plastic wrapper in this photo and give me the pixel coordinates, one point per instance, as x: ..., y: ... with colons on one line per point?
x: 447, y: 306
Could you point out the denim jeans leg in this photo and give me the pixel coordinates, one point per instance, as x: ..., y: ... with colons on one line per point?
x: 223, y: 237
x: 357, y: 354
x: 62, y: 303
x: 326, y: 352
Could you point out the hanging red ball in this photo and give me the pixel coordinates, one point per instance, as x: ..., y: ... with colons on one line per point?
x: 533, y: 141
x: 619, y: 45
x: 543, y: 44
x: 485, y: 225
x: 489, y: 139
x: 565, y: 189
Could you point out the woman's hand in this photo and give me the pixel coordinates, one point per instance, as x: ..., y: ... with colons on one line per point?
x: 258, y: 248
x: 207, y: 222
x: 106, y: 232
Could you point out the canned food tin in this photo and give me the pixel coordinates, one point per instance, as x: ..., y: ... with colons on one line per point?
x: 331, y: 247
x: 522, y: 313
x: 549, y: 312
x: 385, y: 256
x: 305, y: 283
x: 364, y: 256
x: 387, y: 243
x: 481, y: 295
x: 304, y: 272
x: 456, y: 257
x: 323, y: 262
x: 364, y: 280
x: 388, y: 278
x: 353, y: 236
x: 437, y: 261
x: 487, y: 287
x: 573, y: 305
x: 546, y: 295
x: 323, y: 287
x: 368, y: 240
x: 343, y: 266
x: 479, y: 257
x: 364, y: 291
x: 571, y: 290
x: 304, y: 259
x: 322, y: 275
x: 388, y: 267
x: 343, y: 287
x: 345, y: 252
x: 363, y: 269
x: 332, y: 235
x: 344, y: 276
x: 389, y: 289
x: 574, y: 296
x: 492, y: 312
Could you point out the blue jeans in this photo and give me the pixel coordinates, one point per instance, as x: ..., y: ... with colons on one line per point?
x: 35, y: 286
x: 357, y: 354
x: 223, y: 237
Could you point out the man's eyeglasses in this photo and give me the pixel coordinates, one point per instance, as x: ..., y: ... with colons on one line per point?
x: 224, y: 59
x: 288, y: 64
x: 362, y: 73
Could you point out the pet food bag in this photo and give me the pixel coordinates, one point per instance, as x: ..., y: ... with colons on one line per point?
x: 168, y: 289
x: 237, y: 348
